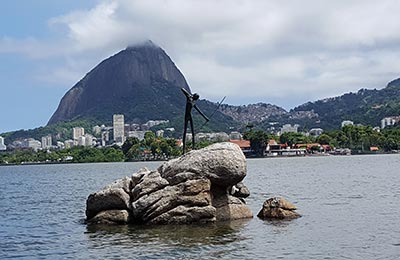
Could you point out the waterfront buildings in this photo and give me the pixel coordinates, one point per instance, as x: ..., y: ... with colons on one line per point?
x: 118, y: 128
x: 3, y: 147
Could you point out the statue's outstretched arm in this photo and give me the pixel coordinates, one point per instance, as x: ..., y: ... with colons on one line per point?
x: 201, y: 113
x: 187, y: 94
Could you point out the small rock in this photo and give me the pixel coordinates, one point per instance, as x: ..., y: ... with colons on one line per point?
x: 278, y: 208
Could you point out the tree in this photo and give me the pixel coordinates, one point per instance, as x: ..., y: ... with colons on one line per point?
x: 291, y: 138
x: 258, y: 141
x: 129, y: 143
x: 324, y: 139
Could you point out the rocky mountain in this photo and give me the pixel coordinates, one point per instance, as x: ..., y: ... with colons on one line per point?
x: 142, y: 82
x: 364, y: 107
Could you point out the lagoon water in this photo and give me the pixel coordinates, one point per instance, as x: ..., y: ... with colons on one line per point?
x: 350, y: 207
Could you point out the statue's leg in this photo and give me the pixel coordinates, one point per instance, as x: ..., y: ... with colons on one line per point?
x: 184, y: 138
x: 192, y: 128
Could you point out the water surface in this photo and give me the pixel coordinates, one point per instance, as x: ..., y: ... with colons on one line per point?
x: 350, y: 207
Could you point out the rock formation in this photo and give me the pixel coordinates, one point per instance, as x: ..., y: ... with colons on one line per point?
x: 201, y: 186
x: 142, y: 82
x: 278, y: 208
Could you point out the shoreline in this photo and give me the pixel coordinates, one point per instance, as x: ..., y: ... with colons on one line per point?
x: 247, y: 157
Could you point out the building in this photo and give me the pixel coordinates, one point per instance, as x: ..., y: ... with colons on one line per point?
x: 69, y: 143
x: 3, y: 147
x: 31, y: 143
x: 96, y: 130
x: 77, y: 132
x: 212, y: 137
x: 46, y: 142
x: 105, y: 137
x: 388, y: 121
x: 288, y: 128
x: 160, y: 133
x: 118, y: 128
x: 316, y: 131
x: 235, y: 136
x: 347, y: 122
x: 138, y: 134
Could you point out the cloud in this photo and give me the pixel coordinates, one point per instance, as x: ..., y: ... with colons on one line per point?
x: 273, y: 51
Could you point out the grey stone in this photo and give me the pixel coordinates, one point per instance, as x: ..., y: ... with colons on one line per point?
x: 200, y: 186
x: 108, y: 217
x: 223, y: 163
x: 278, y: 208
x: 108, y: 199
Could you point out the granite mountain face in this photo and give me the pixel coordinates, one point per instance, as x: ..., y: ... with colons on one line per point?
x: 140, y: 82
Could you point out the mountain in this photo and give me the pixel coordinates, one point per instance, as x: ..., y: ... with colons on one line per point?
x: 366, y: 107
x: 141, y: 82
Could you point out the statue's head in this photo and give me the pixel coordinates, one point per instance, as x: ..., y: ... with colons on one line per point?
x: 195, y: 96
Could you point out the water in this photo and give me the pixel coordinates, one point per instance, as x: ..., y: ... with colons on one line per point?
x: 350, y: 207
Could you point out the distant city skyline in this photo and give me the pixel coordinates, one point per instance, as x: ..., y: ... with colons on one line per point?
x: 283, y: 53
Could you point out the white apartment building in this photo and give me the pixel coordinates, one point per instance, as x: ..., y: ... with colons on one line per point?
x: 77, y: 132
x: 31, y: 143
x: 288, y: 128
x: 3, y: 147
x: 138, y: 134
x: 46, y: 142
x: 118, y: 128
x: 391, y: 120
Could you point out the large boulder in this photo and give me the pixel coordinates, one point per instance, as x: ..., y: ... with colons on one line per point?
x: 200, y: 186
x: 224, y: 164
x: 112, y: 197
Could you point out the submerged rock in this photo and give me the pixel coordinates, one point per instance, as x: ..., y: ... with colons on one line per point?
x: 278, y: 208
x: 201, y: 186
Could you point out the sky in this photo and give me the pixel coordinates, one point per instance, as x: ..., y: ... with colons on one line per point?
x: 278, y: 51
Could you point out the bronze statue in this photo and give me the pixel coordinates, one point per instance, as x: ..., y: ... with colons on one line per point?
x: 190, y: 103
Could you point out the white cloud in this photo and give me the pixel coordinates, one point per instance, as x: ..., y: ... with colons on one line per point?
x: 249, y: 50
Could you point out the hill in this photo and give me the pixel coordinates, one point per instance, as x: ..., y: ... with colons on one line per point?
x: 366, y: 107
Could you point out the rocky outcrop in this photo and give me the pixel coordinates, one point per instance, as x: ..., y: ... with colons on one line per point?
x: 278, y: 208
x: 142, y: 82
x: 201, y: 186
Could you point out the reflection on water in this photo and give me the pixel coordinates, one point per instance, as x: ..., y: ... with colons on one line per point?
x: 184, y: 235
x: 169, y: 240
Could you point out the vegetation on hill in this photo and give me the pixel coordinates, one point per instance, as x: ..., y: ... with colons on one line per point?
x: 366, y: 107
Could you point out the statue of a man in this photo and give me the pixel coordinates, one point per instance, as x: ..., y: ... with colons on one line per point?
x: 190, y: 103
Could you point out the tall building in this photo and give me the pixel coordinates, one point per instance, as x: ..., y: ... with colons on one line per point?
x: 46, y: 142
x: 3, y: 147
x: 118, y: 128
x: 77, y: 132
